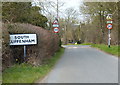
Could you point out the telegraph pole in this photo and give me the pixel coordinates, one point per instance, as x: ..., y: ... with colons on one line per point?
x: 55, y: 22
x: 57, y: 9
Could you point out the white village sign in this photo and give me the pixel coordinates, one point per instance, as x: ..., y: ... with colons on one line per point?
x: 23, y: 39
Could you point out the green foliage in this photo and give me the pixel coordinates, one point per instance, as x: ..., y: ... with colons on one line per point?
x: 25, y: 73
x: 15, y: 11
x: 23, y: 12
x: 36, y: 18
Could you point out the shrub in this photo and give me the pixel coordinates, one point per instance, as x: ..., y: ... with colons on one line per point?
x: 48, y: 44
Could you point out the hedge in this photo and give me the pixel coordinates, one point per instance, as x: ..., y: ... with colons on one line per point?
x: 48, y: 44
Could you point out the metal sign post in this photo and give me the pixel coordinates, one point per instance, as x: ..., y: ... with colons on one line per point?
x: 109, y: 38
x: 109, y: 27
x: 24, y: 51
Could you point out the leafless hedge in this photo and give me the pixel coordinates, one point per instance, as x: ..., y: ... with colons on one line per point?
x: 48, y: 44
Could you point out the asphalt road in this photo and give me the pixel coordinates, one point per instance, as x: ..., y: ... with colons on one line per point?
x: 83, y: 64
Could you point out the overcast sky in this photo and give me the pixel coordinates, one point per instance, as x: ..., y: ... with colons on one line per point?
x: 71, y: 3
x: 68, y: 4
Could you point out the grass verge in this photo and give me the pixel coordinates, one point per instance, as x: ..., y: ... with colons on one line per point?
x: 25, y: 73
x: 81, y: 44
x: 114, y: 49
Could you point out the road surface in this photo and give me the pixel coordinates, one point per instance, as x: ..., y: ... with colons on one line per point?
x: 83, y: 64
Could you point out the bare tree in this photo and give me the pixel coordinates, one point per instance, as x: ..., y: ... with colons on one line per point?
x: 98, y: 12
x: 50, y: 9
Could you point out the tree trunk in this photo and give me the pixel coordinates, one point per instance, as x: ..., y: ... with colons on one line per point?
x: 101, y: 27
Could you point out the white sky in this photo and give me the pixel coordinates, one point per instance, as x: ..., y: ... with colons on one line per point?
x: 71, y: 3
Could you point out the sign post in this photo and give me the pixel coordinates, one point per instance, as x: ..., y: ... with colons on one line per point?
x: 109, y: 27
x: 23, y: 39
x: 24, y: 51
x: 109, y: 38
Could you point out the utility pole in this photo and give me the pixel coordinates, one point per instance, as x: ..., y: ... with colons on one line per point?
x: 57, y: 9
x: 56, y: 23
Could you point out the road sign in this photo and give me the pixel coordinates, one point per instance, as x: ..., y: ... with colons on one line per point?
x: 109, y: 26
x: 55, y: 22
x: 56, y: 30
x: 55, y: 25
x: 110, y: 21
x: 109, y: 17
x: 23, y: 39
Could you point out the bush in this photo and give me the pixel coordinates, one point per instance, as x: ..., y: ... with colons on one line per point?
x: 48, y: 44
x: 23, y: 12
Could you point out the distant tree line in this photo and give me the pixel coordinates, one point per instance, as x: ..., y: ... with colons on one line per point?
x: 94, y: 29
x: 23, y: 12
